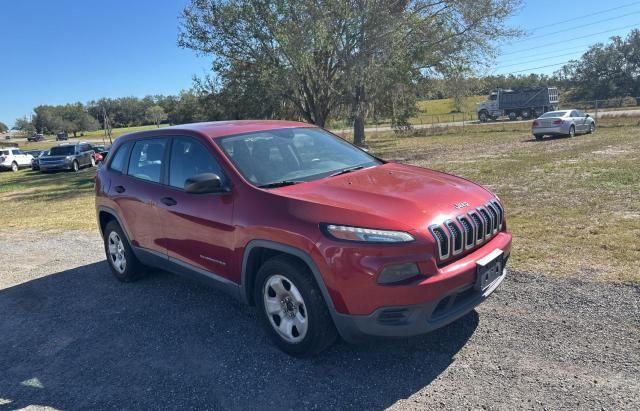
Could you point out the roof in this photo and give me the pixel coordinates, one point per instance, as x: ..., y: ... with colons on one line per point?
x: 215, y: 129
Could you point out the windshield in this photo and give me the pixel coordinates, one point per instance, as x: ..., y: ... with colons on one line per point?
x: 62, y: 150
x: 293, y: 154
x: 553, y: 114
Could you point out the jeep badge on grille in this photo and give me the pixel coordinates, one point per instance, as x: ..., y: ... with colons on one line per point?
x: 463, y: 204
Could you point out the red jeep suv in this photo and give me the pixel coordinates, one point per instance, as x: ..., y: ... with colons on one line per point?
x: 324, y: 238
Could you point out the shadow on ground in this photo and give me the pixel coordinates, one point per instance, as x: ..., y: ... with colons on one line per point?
x: 79, y: 339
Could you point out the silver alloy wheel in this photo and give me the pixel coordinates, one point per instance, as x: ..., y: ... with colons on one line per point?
x: 572, y: 131
x: 116, y: 252
x: 14, y: 167
x: 285, y: 308
x: 93, y: 162
x: 592, y: 128
x: 75, y: 166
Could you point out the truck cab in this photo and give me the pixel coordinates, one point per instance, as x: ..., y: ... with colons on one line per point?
x: 488, y: 110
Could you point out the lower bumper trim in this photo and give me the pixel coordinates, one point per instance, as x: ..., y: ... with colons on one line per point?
x: 412, y: 320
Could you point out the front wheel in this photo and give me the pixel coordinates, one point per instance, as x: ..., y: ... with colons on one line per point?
x: 75, y: 166
x: 291, y: 307
x: 572, y: 131
x: 483, y: 116
x: 592, y: 128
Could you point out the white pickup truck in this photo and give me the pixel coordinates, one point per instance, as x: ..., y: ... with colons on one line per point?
x: 14, y: 158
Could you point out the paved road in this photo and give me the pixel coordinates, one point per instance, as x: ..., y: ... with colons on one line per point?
x: 71, y: 337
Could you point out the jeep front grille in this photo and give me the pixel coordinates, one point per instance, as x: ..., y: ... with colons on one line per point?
x: 468, y: 230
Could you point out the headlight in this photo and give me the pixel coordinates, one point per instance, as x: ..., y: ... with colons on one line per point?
x: 69, y: 157
x: 369, y: 235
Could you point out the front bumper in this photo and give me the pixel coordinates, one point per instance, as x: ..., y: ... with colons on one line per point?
x: 55, y: 166
x: 411, y: 320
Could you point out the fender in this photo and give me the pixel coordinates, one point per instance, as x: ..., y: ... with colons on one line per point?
x: 301, y: 254
x: 115, y: 215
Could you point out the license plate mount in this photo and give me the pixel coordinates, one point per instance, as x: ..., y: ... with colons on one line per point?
x: 488, y: 269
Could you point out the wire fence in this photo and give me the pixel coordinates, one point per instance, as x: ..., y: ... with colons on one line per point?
x: 463, y: 121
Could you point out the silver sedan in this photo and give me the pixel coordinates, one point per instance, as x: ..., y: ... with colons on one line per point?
x: 563, y: 123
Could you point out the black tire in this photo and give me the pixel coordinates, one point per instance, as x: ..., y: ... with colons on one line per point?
x: 572, y: 131
x: 93, y: 161
x: 538, y: 136
x: 14, y: 167
x: 133, y: 269
x: 75, y: 167
x: 512, y: 115
x: 483, y: 116
x: 592, y: 128
x: 321, y: 332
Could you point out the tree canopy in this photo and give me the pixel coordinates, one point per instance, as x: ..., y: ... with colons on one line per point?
x: 323, y: 55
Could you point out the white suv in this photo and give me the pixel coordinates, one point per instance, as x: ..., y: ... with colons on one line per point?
x: 14, y: 158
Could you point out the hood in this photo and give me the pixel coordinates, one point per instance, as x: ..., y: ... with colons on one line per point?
x: 387, y: 196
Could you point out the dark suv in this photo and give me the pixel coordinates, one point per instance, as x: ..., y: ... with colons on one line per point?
x: 68, y: 157
x: 322, y: 237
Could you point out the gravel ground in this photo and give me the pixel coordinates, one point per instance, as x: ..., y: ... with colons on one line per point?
x: 72, y: 337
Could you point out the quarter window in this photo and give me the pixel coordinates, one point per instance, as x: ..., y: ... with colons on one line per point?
x: 146, y: 159
x: 190, y: 158
x: 120, y: 158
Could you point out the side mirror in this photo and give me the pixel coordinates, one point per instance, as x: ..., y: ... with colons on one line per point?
x: 587, y: 116
x: 203, y: 183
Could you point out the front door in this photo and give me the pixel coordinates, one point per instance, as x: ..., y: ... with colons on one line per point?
x: 198, y: 228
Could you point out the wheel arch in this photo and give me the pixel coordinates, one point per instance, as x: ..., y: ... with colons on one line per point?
x: 258, y: 251
x: 107, y: 214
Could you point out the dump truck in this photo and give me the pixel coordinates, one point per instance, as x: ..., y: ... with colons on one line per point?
x: 524, y: 104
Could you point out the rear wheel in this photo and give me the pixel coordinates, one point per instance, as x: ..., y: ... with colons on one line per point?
x: 538, y: 136
x: 572, y: 131
x: 123, y: 263
x: 14, y: 166
x: 75, y: 166
x: 512, y: 115
x: 291, y: 307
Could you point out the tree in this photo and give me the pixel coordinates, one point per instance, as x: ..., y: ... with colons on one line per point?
x: 25, y: 126
x: 3, y: 127
x: 322, y: 54
x: 156, y: 114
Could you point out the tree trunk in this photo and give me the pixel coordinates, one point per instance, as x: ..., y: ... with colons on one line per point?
x: 359, y: 116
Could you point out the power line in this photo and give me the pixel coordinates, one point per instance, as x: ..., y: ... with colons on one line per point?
x: 582, y: 48
x: 538, y: 59
x: 539, y: 67
x: 593, y: 13
x: 566, y: 40
x: 576, y: 27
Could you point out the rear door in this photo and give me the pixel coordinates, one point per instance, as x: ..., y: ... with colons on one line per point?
x: 135, y: 186
x: 581, y: 122
x: 198, y: 228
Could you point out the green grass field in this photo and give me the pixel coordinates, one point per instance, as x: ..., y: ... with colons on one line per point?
x: 573, y: 205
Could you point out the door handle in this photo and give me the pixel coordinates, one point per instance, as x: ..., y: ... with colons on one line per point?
x: 168, y: 201
x: 119, y: 189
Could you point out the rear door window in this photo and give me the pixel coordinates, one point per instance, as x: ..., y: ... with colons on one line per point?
x: 146, y: 159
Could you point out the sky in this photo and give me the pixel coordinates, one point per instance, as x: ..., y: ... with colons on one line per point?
x: 64, y: 51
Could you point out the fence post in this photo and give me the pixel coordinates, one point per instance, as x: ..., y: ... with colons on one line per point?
x: 596, y: 113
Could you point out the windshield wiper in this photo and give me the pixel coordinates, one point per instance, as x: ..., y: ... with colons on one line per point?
x: 280, y: 184
x: 346, y: 170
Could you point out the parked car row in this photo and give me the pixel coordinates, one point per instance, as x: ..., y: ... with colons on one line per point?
x: 70, y: 157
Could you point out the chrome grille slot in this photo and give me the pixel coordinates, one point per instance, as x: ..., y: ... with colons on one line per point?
x: 494, y: 217
x: 469, y: 232
x: 500, y: 211
x: 442, y: 238
x: 456, y: 236
x: 479, y: 223
x: 487, y: 219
